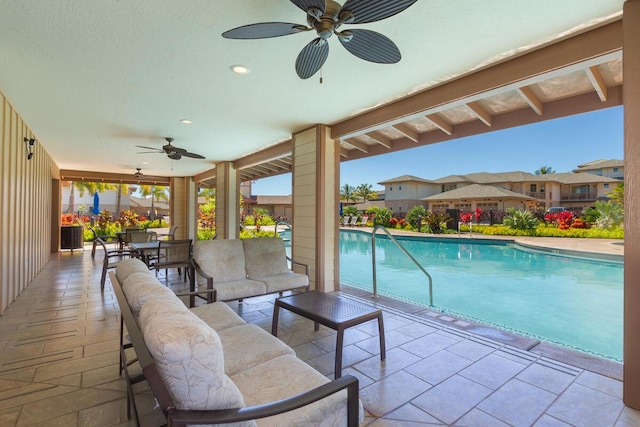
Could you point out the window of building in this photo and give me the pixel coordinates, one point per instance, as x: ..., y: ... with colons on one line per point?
x: 448, y: 187
x: 462, y: 206
x: 615, y: 169
x: 533, y: 188
x: 580, y: 189
x: 399, y: 208
x: 606, y: 186
x: 391, y: 188
x: 400, y: 188
x: 488, y: 206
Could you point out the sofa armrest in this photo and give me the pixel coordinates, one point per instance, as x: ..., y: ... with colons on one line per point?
x: 176, y: 417
x: 299, y: 264
x: 211, y: 292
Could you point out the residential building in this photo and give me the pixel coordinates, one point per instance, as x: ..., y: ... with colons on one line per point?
x: 497, y: 191
x: 611, y: 168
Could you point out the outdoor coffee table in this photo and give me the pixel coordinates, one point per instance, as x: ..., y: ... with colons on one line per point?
x: 333, y: 312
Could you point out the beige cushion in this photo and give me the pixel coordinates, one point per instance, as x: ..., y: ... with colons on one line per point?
x: 265, y: 257
x: 218, y: 315
x: 190, y: 360
x: 284, y: 281
x: 238, y: 289
x: 284, y: 377
x: 141, y: 287
x: 246, y: 346
x: 129, y: 266
x: 161, y: 307
x: 221, y: 259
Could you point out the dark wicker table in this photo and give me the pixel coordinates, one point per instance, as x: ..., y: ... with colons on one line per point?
x: 333, y: 312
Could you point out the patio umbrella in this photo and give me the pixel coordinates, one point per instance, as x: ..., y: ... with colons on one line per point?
x: 96, y: 204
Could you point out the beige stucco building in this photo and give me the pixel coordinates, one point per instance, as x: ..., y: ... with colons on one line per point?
x: 498, y: 191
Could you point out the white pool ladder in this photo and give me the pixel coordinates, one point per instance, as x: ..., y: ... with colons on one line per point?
x: 395, y: 241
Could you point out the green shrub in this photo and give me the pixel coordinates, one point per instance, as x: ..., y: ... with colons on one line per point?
x: 521, y: 220
x: 250, y: 234
x: 206, y: 234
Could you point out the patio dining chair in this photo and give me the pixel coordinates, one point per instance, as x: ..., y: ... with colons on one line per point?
x: 112, y: 258
x: 170, y: 235
x: 106, y: 238
x: 173, y: 254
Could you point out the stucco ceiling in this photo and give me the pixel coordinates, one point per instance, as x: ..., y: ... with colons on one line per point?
x: 95, y: 78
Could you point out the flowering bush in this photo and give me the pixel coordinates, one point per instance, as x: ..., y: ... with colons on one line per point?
x: 73, y: 219
x: 69, y: 219
x: 563, y: 219
x: 465, y: 217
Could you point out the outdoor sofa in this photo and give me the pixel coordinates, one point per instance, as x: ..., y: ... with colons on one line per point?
x: 235, y: 269
x: 207, y: 366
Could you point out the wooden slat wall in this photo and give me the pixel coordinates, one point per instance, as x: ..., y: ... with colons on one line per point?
x: 26, y: 200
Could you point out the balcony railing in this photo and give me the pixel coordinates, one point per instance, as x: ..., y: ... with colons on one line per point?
x: 578, y: 196
x: 537, y: 194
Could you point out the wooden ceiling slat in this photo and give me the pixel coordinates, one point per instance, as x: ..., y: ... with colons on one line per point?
x: 357, y: 145
x: 598, y: 82
x: 534, y: 102
x: 441, y: 123
x: 480, y: 113
x: 380, y: 138
x: 407, y: 131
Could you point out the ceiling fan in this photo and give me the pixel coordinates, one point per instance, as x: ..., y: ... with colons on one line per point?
x: 138, y: 173
x: 173, y: 152
x: 326, y: 17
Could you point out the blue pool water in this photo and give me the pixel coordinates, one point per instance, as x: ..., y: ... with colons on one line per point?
x: 570, y: 301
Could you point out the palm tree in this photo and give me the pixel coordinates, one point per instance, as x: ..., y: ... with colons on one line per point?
x: 82, y: 187
x: 545, y: 170
x: 157, y: 192
x: 365, y: 192
x: 347, y: 193
x: 617, y: 195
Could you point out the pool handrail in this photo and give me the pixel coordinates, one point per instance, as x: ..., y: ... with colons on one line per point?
x: 395, y: 241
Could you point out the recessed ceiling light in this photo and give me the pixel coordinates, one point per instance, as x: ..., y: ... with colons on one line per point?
x: 186, y: 121
x: 240, y: 69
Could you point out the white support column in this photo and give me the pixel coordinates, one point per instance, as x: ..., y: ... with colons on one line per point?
x: 227, y: 201
x: 316, y: 178
x: 631, y: 99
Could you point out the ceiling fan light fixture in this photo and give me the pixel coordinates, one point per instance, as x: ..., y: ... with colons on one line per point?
x: 240, y: 69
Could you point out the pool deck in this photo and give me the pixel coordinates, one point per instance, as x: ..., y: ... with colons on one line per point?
x: 59, y: 362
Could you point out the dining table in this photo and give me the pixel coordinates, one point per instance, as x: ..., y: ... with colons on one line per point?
x: 145, y: 249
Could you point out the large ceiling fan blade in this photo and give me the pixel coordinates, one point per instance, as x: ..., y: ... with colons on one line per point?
x: 192, y: 155
x: 370, y: 46
x: 364, y: 11
x: 305, y: 5
x: 264, y: 30
x: 155, y: 150
x: 311, y: 58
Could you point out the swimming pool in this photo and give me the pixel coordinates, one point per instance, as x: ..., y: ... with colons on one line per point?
x: 574, y: 302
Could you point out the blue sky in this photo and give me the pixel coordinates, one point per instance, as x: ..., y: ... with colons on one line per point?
x: 561, y: 144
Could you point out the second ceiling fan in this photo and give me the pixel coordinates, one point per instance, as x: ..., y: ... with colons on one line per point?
x: 173, y: 152
x: 326, y: 17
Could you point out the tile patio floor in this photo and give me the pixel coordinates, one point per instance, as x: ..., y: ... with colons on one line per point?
x: 59, y: 364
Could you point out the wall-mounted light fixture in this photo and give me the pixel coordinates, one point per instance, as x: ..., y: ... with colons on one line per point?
x: 28, y: 144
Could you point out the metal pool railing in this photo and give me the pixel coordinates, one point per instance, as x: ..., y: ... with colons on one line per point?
x: 395, y: 241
